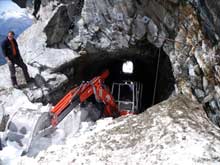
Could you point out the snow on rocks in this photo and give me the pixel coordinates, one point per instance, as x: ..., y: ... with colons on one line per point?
x: 35, y: 50
x: 14, y: 99
x: 54, y: 58
x: 5, y: 77
x: 9, y: 154
x: 44, y: 63
x: 175, y: 131
x: 36, y: 54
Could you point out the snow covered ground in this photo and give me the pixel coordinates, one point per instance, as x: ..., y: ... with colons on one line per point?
x: 11, y: 105
x: 12, y: 17
x: 11, y: 154
x: 169, y: 133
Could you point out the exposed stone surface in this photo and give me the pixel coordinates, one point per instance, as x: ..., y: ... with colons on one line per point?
x: 44, y: 63
x: 175, y: 131
x: 22, y: 3
x: 193, y: 60
x: 126, y: 27
x: 213, y: 8
x: 58, y: 26
x: 188, y: 31
x: 209, y: 17
x: 119, y: 25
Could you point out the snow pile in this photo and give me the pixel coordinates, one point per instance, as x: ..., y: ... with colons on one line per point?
x: 176, y: 131
x: 10, y: 154
x: 169, y: 133
x: 79, y: 138
x: 5, y: 77
x: 14, y: 100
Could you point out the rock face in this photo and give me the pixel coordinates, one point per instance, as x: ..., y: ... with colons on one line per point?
x: 187, y: 31
x: 209, y: 18
x: 119, y: 25
x: 213, y: 10
x: 22, y: 4
x: 57, y: 27
x: 195, y: 62
x: 175, y: 131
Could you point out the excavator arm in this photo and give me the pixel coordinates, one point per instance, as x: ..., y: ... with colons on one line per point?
x: 81, y: 93
x: 43, y: 123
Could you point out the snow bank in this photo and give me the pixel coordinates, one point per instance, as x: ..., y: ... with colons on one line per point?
x: 168, y: 133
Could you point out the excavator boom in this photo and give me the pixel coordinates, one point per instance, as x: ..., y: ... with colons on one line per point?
x: 79, y: 94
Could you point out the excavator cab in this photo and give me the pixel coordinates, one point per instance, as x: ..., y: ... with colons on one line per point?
x: 127, y: 95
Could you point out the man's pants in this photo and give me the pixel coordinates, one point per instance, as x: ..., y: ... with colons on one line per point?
x: 21, y: 64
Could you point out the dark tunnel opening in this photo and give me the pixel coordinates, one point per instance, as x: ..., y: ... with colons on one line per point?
x: 144, y: 72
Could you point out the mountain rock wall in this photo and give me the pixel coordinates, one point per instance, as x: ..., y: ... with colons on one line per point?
x: 188, y: 31
x: 176, y: 131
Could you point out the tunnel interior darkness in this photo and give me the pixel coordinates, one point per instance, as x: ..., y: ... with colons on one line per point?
x: 145, y: 67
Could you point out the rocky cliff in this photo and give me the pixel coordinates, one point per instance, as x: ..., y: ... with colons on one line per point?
x: 185, y: 31
x: 173, y: 43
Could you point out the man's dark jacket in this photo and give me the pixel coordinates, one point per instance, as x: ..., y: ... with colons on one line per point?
x: 8, y: 52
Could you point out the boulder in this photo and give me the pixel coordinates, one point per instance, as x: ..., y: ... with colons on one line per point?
x: 58, y: 26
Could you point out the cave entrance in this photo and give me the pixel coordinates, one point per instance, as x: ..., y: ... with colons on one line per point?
x: 144, y: 72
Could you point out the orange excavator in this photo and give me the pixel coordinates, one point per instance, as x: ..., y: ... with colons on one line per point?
x: 102, y: 94
x: 80, y: 94
x: 123, y: 99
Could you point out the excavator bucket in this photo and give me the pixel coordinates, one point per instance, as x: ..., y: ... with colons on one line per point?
x: 25, y: 126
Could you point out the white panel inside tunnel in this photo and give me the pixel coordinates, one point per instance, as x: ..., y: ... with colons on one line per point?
x: 128, y: 67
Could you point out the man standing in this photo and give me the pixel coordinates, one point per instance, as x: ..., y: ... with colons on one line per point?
x: 12, y: 56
